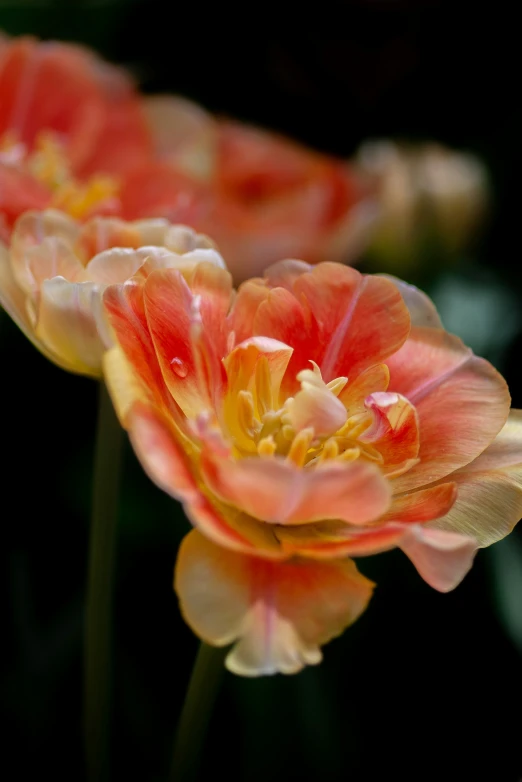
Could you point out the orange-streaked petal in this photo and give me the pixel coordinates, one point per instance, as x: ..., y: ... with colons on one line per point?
x: 278, y: 615
x: 394, y: 431
x: 170, y: 460
x: 461, y: 400
x: 441, y: 558
x: 126, y: 312
x: 244, y: 309
x: 330, y: 540
x: 276, y: 491
x: 422, y: 505
x: 175, y: 314
x: 342, y: 320
x: 373, y: 379
x: 66, y: 322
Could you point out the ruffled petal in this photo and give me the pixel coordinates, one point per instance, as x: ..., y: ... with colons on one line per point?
x: 277, y: 614
x: 461, y: 400
x: 489, y: 501
x: 394, y: 431
x: 278, y: 492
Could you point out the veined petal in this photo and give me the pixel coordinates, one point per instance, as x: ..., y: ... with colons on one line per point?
x: 244, y: 309
x: 278, y: 492
x: 421, y: 308
x: 461, y: 400
x: 174, y: 312
x: 422, y: 505
x: 126, y: 312
x: 489, y: 501
x: 334, y: 539
x: 66, y: 324
x: 277, y: 614
x: 340, y: 319
x: 441, y: 558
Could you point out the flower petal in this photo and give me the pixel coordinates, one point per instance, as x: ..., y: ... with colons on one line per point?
x: 276, y: 491
x: 441, y: 558
x: 278, y: 614
x: 183, y: 133
x: 394, y: 430
x: 461, y: 400
x: 489, y: 501
x: 342, y: 320
x: 422, y: 505
x: 175, y: 314
x: 421, y: 308
x: 67, y: 324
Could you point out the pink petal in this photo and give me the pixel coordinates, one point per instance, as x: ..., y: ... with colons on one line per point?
x: 461, y: 400
x: 441, y: 558
x: 276, y: 491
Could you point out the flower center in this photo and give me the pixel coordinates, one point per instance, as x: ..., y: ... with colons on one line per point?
x: 308, y: 428
x: 48, y: 164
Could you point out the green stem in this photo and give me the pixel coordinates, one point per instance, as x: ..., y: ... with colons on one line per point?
x: 97, y: 651
x: 197, y: 710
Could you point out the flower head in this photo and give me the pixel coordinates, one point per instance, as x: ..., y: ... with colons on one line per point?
x: 268, y: 197
x: 66, y: 148
x: 54, y: 273
x: 303, y: 420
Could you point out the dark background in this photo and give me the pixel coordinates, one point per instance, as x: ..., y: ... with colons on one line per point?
x: 424, y: 686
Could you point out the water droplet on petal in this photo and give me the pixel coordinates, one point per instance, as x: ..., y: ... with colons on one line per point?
x: 179, y: 367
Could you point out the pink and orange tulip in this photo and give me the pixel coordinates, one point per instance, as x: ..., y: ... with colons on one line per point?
x: 312, y: 416
x: 268, y: 197
x: 74, y: 136
x: 96, y: 147
x: 53, y: 276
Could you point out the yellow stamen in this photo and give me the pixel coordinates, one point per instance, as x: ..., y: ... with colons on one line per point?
x: 330, y: 450
x: 78, y: 199
x: 337, y: 385
x: 266, y: 447
x: 300, y: 447
x: 350, y: 455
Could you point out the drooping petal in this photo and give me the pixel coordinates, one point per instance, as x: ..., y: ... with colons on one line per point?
x: 461, y: 400
x: 277, y: 614
x: 278, y: 492
x: 66, y: 324
x: 441, y: 558
x: 489, y: 501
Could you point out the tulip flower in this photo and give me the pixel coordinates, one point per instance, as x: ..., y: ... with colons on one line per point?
x: 313, y: 416
x: 54, y: 273
x: 85, y: 148
x: 268, y: 196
